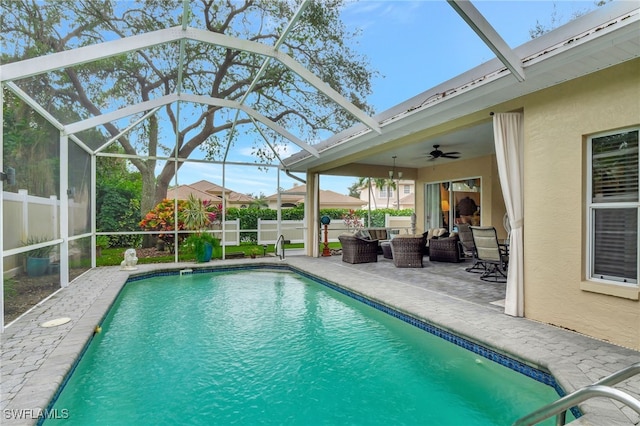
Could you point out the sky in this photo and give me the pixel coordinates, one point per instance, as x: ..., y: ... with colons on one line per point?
x: 414, y: 45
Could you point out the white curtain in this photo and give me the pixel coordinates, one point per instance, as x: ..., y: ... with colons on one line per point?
x: 432, y: 209
x: 508, y: 135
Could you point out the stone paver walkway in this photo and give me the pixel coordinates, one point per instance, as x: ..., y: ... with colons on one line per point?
x: 35, y: 360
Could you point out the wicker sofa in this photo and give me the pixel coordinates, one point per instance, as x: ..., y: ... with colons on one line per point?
x: 379, y: 234
x: 408, y: 250
x: 358, y: 250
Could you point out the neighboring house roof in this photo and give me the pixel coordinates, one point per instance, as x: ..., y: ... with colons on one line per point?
x: 408, y: 199
x: 295, y: 195
x: 212, y: 188
x: 182, y: 192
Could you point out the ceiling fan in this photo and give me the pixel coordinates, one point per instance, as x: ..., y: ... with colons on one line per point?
x: 436, y: 153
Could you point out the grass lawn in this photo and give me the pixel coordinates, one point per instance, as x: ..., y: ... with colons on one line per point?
x: 113, y: 256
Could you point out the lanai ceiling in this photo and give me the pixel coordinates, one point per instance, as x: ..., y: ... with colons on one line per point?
x: 540, y: 63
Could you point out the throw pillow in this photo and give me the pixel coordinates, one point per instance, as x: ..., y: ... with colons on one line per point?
x: 363, y: 234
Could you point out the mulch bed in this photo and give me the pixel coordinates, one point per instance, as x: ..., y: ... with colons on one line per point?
x: 23, y: 292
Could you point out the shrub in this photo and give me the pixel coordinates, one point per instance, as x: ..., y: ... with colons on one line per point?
x: 162, y: 219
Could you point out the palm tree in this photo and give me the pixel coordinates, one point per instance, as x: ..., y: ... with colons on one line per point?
x: 365, y: 183
x: 259, y: 202
x: 385, y: 182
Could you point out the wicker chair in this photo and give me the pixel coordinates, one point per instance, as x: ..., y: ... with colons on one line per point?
x: 358, y: 250
x: 408, y: 250
x: 445, y: 249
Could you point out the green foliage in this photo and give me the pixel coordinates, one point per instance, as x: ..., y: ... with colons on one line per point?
x: 117, y: 200
x: 102, y: 241
x: 249, y: 217
x: 377, y: 216
x: 163, y: 219
x: 196, y: 244
x: 193, y: 214
x: 41, y: 252
x: 30, y: 146
x: 9, y: 286
x: 198, y: 215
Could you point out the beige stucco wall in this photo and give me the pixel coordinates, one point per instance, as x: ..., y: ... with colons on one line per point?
x: 492, y: 204
x: 557, y: 122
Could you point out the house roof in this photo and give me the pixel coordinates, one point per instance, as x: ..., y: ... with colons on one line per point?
x: 182, y: 192
x: 212, y: 188
x: 296, y: 195
x: 408, y: 199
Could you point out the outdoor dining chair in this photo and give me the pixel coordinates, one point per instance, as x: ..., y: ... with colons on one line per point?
x: 469, y: 248
x: 495, y: 256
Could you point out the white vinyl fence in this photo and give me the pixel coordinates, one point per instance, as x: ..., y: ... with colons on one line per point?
x: 27, y: 216
x: 38, y: 217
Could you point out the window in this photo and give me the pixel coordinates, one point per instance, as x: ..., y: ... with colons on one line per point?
x: 407, y: 189
x: 386, y: 192
x: 613, y: 207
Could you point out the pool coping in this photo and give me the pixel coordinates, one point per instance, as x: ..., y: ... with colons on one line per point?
x: 573, y: 359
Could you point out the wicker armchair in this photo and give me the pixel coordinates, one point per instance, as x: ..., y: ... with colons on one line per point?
x: 408, y: 251
x: 445, y: 249
x: 358, y: 250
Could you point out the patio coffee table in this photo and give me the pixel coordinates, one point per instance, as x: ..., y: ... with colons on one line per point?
x: 386, y: 250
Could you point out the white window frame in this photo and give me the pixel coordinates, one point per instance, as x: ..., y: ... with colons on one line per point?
x: 592, y: 207
x: 386, y: 192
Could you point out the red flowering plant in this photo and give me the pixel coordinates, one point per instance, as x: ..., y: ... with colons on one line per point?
x: 162, y: 218
x: 352, y: 221
x: 193, y: 214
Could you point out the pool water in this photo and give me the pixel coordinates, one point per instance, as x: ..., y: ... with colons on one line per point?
x: 266, y: 346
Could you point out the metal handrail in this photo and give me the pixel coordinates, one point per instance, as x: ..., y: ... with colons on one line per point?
x: 281, y: 241
x: 601, y: 388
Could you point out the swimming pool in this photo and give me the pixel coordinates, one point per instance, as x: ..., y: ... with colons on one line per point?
x: 269, y: 346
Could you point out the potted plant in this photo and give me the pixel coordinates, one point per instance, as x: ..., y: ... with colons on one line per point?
x: 38, y: 259
x: 198, y: 215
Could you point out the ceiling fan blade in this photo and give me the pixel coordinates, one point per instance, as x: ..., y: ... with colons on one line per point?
x: 450, y: 155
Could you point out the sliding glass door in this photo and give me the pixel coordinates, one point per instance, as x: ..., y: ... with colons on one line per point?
x: 451, y: 202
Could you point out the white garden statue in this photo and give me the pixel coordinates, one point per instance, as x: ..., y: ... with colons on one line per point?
x: 130, y: 260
